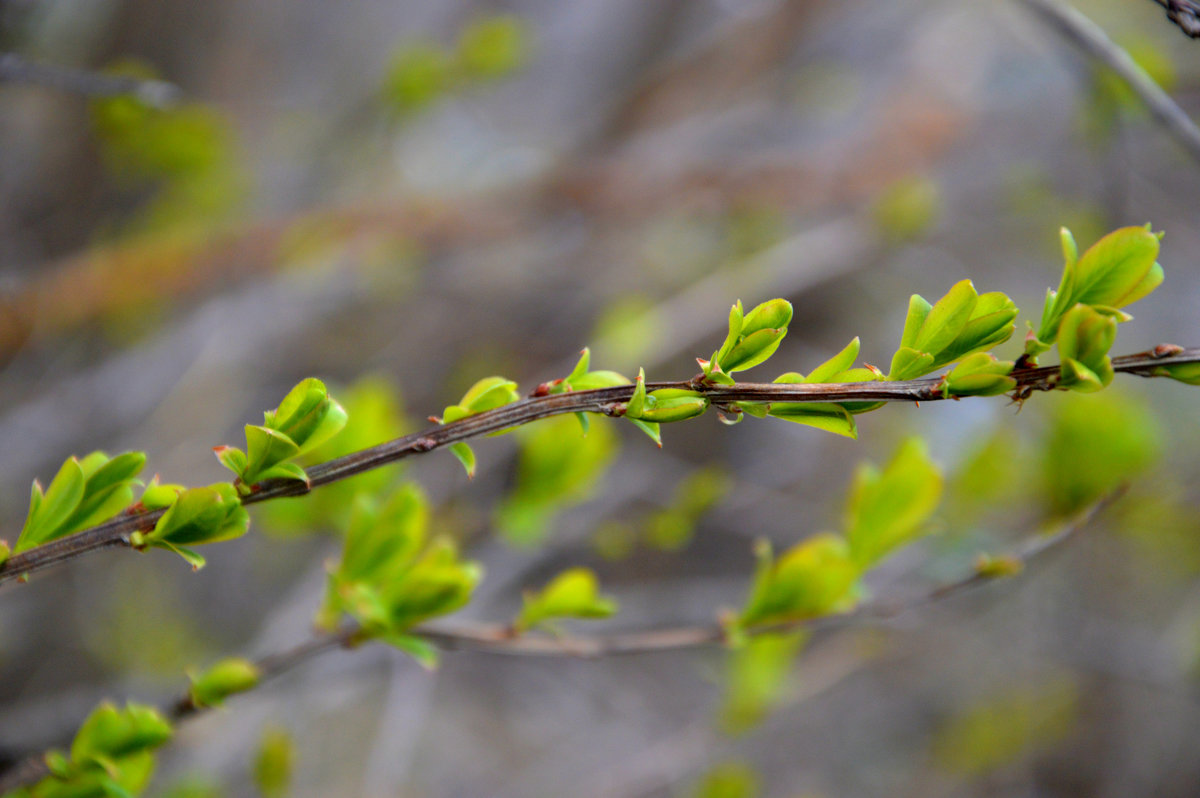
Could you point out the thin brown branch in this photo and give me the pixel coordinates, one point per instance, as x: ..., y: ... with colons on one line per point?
x: 606, y: 401
x: 1185, y: 14
x: 155, y: 93
x: 499, y: 638
x: 1091, y: 38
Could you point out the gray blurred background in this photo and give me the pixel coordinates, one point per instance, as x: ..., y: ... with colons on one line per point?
x: 360, y: 188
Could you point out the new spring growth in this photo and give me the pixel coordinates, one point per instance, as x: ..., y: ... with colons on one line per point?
x: 228, y: 677
x: 486, y: 394
x: 960, y: 323
x: 110, y: 755
x: 307, y: 417
x: 1084, y: 337
x: 574, y: 593
x: 195, y: 517
x: 1116, y: 271
x: 647, y: 410
x: 752, y: 338
x: 83, y: 493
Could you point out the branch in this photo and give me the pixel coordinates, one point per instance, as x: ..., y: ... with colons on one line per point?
x: 1185, y: 14
x: 606, y: 401
x: 155, y: 93
x: 1091, y: 38
x: 499, y: 639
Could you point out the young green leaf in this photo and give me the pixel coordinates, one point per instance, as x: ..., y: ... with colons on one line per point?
x: 752, y: 338
x: 110, y: 733
x: 960, y: 323
x: 198, y: 516
x: 811, y: 579
x: 83, y: 493
x: 571, y: 594
x: 887, y: 509
x: 980, y: 374
x: 274, y: 762
x: 210, y: 688
x: 1116, y: 271
x: 1084, y: 339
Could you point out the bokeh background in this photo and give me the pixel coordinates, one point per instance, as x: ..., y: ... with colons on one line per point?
x: 403, y: 197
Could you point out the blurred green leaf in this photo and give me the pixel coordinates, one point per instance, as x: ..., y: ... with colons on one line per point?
x: 728, y: 780
x: 211, y: 687
x: 274, y: 762
x: 572, y: 594
x: 888, y: 509
x: 494, y: 47
x: 907, y: 208
x: 1006, y: 728
x: 557, y: 468
x: 813, y: 578
x: 1093, y: 445
x: 417, y: 74
x: 757, y: 678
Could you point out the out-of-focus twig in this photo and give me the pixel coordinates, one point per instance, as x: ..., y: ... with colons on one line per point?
x: 155, y: 93
x: 1185, y: 14
x: 500, y: 639
x: 1091, y: 38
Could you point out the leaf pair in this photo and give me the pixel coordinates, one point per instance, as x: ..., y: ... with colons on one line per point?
x: 1116, y: 271
x: 486, y: 394
x: 960, y: 323
x: 112, y: 754
x: 307, y: 417
x: 391, y: 578
x: 837, y: 418
x: 196, y: 516
x: 752, y: 338
x: 83, y: 493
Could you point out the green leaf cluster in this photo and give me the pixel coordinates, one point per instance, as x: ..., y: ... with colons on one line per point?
x: 1081, y: 316
x: 83, y: 493
x: 574, y: 593
x: 112, y: 755
x: 197, y: 516
x: 391, y: 576
x: 422, y: 72
x: 307, y: 417
x: 960, y: 323
x: 1116, y: 271
x: 228, y: 677
x: 752, y: 338
x: 884, y: 510
x: 375, y: 413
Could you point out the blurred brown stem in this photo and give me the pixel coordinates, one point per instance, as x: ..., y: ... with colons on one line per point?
x: 1091, y: 38
x: 607, y: 401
